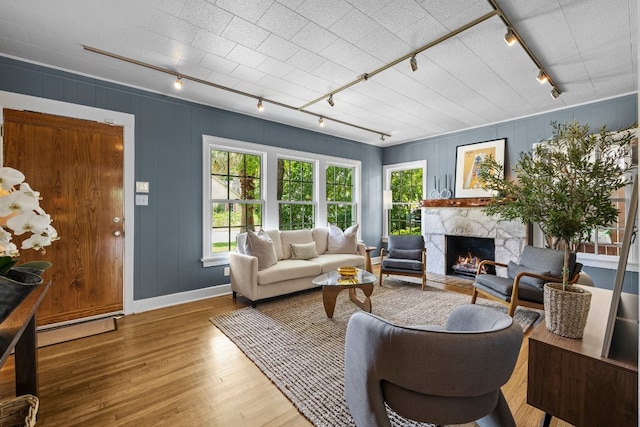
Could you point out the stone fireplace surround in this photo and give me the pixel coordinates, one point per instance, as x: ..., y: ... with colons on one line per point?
x: 510, y: 236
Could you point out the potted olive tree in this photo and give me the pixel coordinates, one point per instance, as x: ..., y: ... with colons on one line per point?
x: 564, y: 185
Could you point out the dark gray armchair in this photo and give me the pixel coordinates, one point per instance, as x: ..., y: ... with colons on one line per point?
x: 524, y: 284
x: 404, y: 256
x: 440, y: 375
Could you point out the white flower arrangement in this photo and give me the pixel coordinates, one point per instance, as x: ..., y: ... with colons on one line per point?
x: 21, y: 213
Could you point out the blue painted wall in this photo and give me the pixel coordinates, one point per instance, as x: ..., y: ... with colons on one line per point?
x: 168, y: 132
x: 521, y: 134
x: 168, y: 234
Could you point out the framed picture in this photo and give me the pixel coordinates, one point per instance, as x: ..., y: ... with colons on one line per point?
x: 467, y: 159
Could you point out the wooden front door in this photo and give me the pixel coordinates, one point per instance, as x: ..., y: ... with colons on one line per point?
x: 77, y: 166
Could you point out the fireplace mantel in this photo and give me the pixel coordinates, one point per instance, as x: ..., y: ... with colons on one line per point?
x: 475, y: 202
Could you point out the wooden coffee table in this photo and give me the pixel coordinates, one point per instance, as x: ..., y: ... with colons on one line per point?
x: 333, y: 283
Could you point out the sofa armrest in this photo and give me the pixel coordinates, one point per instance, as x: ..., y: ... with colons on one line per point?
x: 244, y: 274
x: 362, y: 249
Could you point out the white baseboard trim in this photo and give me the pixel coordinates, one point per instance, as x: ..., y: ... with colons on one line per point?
x: 142, y: 305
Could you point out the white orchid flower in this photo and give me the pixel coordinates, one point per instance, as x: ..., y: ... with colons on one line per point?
x: 5, y: 242
x: 10, y: 177
x: 28, y: 222
x: 21, y: 212
x: 36, y: 242
x: 17, y: 202
x: 25, y: 188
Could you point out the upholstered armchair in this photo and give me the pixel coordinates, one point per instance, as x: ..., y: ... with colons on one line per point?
x: 440, y: 375
x: 524, y: 284
x: 404, y: 256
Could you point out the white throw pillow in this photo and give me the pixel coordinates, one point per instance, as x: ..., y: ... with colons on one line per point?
x: 303, y: 250
x: 343, y: 242
x: 261, y: 246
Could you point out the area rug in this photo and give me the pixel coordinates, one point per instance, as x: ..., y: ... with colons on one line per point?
x: 302, y: 351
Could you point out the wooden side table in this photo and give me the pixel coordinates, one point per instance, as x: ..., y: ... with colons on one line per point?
x: 569, y: 379
x: 369, y: 249
x: 18, y: 331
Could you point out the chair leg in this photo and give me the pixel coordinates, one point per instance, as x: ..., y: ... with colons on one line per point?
x: 512, y: 307
x: 474, y: 295
x: 424, y: 281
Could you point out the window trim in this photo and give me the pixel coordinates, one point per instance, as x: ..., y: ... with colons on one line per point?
x: 386, y: 173
x: 268, y: 175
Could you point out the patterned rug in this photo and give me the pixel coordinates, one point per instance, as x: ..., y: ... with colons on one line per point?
x: 302, y: 351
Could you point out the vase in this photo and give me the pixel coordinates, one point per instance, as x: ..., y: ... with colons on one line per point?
x: 566, y: 310
x: 15, y: 287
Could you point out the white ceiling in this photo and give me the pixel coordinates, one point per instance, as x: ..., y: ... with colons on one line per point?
x: 295, y: 51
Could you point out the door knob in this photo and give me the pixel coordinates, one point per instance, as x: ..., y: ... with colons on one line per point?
x: 117, y: 233
x: 116, y: 219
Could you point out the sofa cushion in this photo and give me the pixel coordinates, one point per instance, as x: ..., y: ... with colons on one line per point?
x: 321, y: 237
x: 260, y: 246
x: 503, y: 287
x: 288, y: 269
x: 303, y: 250
x: 514, y: 269
x: 288, y: 237
x: 330, y: 262
x: 277, y: 242
x: 402, y: 264
x: 343, y: 242
x: 549, y: 259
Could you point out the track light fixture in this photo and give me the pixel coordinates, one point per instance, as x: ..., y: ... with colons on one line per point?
x: 330, y: 100
x: 321, y: 121
x: 260, y: 106
x: 542, y: 77
x: 381, y: 137
x: 555, y: 93
x: 178, y: 83
x: 414, y: 63
x: 510, y: 38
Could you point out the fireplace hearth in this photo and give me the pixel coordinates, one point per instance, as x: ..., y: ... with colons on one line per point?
x: 463, y: 254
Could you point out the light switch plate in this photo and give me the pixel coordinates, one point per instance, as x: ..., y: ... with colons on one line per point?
x: 142, y: 186
x: 142, y: 199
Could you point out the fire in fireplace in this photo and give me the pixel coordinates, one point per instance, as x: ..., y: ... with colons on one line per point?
x: 463, y: 255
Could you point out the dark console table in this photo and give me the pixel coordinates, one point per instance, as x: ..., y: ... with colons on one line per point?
x: 569, y: 379
x: 18, y: 332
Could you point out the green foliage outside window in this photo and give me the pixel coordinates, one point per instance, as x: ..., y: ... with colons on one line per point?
x: 340, y: 206
x: 236, y: 196
x: 405, y: 215
x: 295, y: 184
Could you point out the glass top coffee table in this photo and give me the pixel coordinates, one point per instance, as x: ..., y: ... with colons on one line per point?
x: 333, y: 283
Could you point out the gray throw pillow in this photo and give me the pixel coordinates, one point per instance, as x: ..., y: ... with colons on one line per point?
x: 261, y: 246
x: 343, y: 242
x: 513, y: 269
x: 303, y: 250
x: 414, y: 254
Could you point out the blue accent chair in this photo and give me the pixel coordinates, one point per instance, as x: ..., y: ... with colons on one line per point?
x: 404, y: 256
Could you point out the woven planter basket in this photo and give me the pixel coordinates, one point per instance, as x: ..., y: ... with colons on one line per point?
x: 19, y: 411
x: 566, y: 311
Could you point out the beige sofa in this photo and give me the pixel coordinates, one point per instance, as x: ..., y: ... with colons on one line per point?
x: 288, y: 275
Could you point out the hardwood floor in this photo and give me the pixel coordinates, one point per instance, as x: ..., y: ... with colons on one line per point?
x: 172, y: 367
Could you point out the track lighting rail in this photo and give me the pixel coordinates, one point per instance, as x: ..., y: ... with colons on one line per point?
x: 261, y: 100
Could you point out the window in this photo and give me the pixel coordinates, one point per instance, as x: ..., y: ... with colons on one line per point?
x: 407, y: 184
x: 295, y: 194
x: 236, y: 202
x: 250, y: 186
x: 340, y: 203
